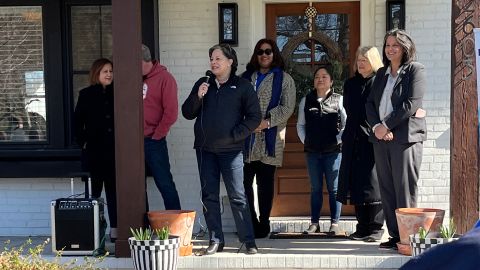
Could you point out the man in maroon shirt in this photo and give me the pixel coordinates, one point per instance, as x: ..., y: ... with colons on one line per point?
x: 160, y: 111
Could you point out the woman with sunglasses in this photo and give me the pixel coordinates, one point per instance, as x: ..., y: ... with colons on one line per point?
x: 264, y: 148
x: 226, y: 110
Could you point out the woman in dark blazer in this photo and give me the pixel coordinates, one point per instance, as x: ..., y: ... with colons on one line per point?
x: 94, y: 132
x: 358, y: 182
x: 395, y: 113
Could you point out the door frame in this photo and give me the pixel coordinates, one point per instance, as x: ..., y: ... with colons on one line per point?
x: 368, y: 23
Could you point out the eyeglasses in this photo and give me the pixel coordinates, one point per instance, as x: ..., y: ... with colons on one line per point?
x: 266, y: 51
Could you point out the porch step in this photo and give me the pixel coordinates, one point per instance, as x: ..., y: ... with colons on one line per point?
x: 273, y: 254
x: 300, y: 224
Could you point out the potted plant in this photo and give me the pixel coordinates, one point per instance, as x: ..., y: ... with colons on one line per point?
x: 424, y: 239
x: 409, y: 220
x: 154, y: 249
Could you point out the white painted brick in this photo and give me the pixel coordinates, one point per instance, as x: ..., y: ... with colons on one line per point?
x: 446, y: 167
x: 441, y: 158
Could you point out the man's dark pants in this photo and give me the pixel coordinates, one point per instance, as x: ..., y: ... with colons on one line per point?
x: 156, y: 158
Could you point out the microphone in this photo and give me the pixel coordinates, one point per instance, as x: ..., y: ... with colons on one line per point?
x: 208, y: 74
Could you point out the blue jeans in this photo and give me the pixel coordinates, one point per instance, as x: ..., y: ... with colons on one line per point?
x: 230, y: 165
x: 156, y: 158
x: 319, y: 165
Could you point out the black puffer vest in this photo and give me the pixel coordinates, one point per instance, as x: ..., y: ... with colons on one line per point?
x: 322, y: 123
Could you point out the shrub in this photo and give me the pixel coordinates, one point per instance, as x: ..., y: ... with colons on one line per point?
x: 12, y: 258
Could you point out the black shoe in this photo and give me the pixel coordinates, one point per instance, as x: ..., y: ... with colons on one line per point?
x: 214, y: 247
x: 313, y: 228
x: 262, y: 230
x: 358, y: 236
x: 251, y: 248
x: 390, y: 244
x: 374, y: 236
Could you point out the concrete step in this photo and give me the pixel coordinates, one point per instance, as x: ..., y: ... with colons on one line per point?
x: 300, y: 224
x: 273, y: 254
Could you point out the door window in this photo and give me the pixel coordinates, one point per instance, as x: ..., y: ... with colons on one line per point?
x: 331, y: 36
x: 91, y: 38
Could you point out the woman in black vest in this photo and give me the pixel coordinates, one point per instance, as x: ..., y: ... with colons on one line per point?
x: 321, y: 120
x: 358, y: 182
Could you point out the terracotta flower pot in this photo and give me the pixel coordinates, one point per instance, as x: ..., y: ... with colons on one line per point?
x: 409, y: 220
x: 180, y: 223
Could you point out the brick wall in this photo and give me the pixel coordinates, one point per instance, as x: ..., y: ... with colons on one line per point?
x: 429, y: 23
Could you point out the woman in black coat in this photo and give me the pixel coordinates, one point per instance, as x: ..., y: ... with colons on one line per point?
x: 227, y: 111
x: 94, y: 132
x: 358, y: 183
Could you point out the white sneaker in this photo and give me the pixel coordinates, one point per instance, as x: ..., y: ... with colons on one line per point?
x: 313, y: 228
x: 334, y: 229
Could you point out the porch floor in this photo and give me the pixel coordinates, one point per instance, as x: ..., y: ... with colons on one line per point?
x: 273, y: 254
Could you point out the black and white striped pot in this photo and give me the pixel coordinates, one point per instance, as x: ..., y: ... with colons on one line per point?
x: 155, y: 254
x: 419, y: 245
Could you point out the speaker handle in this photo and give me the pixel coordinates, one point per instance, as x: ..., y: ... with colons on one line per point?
x: 89, y: 187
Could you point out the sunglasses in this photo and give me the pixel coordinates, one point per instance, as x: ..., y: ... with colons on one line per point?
x: 266, y: 51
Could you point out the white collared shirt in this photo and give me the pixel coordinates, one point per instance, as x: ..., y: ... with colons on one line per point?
x: 386, y: 106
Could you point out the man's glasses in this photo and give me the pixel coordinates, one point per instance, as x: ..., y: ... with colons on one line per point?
x: 266, y: 51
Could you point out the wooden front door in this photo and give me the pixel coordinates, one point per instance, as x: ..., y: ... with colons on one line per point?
x: 331, y: 35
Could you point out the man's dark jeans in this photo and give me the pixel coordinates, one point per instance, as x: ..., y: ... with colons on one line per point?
x: 230, y: 165
x: 156, y: 158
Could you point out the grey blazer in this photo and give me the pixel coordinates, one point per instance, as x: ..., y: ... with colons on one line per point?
x: 407, y: 120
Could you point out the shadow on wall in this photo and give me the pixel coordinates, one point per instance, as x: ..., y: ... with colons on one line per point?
x: 443, y: 141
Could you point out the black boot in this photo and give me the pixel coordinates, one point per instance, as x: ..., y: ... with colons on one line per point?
x: 263, y: 230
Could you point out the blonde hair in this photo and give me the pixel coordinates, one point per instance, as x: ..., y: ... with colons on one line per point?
x: 373, y: 56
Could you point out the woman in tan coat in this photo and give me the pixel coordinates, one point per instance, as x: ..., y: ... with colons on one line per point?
x: 264, y: 148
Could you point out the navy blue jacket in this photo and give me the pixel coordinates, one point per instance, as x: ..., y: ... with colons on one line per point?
x: 225, y: 116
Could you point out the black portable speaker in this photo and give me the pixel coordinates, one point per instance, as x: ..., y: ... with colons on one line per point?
x: 78, y: 225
